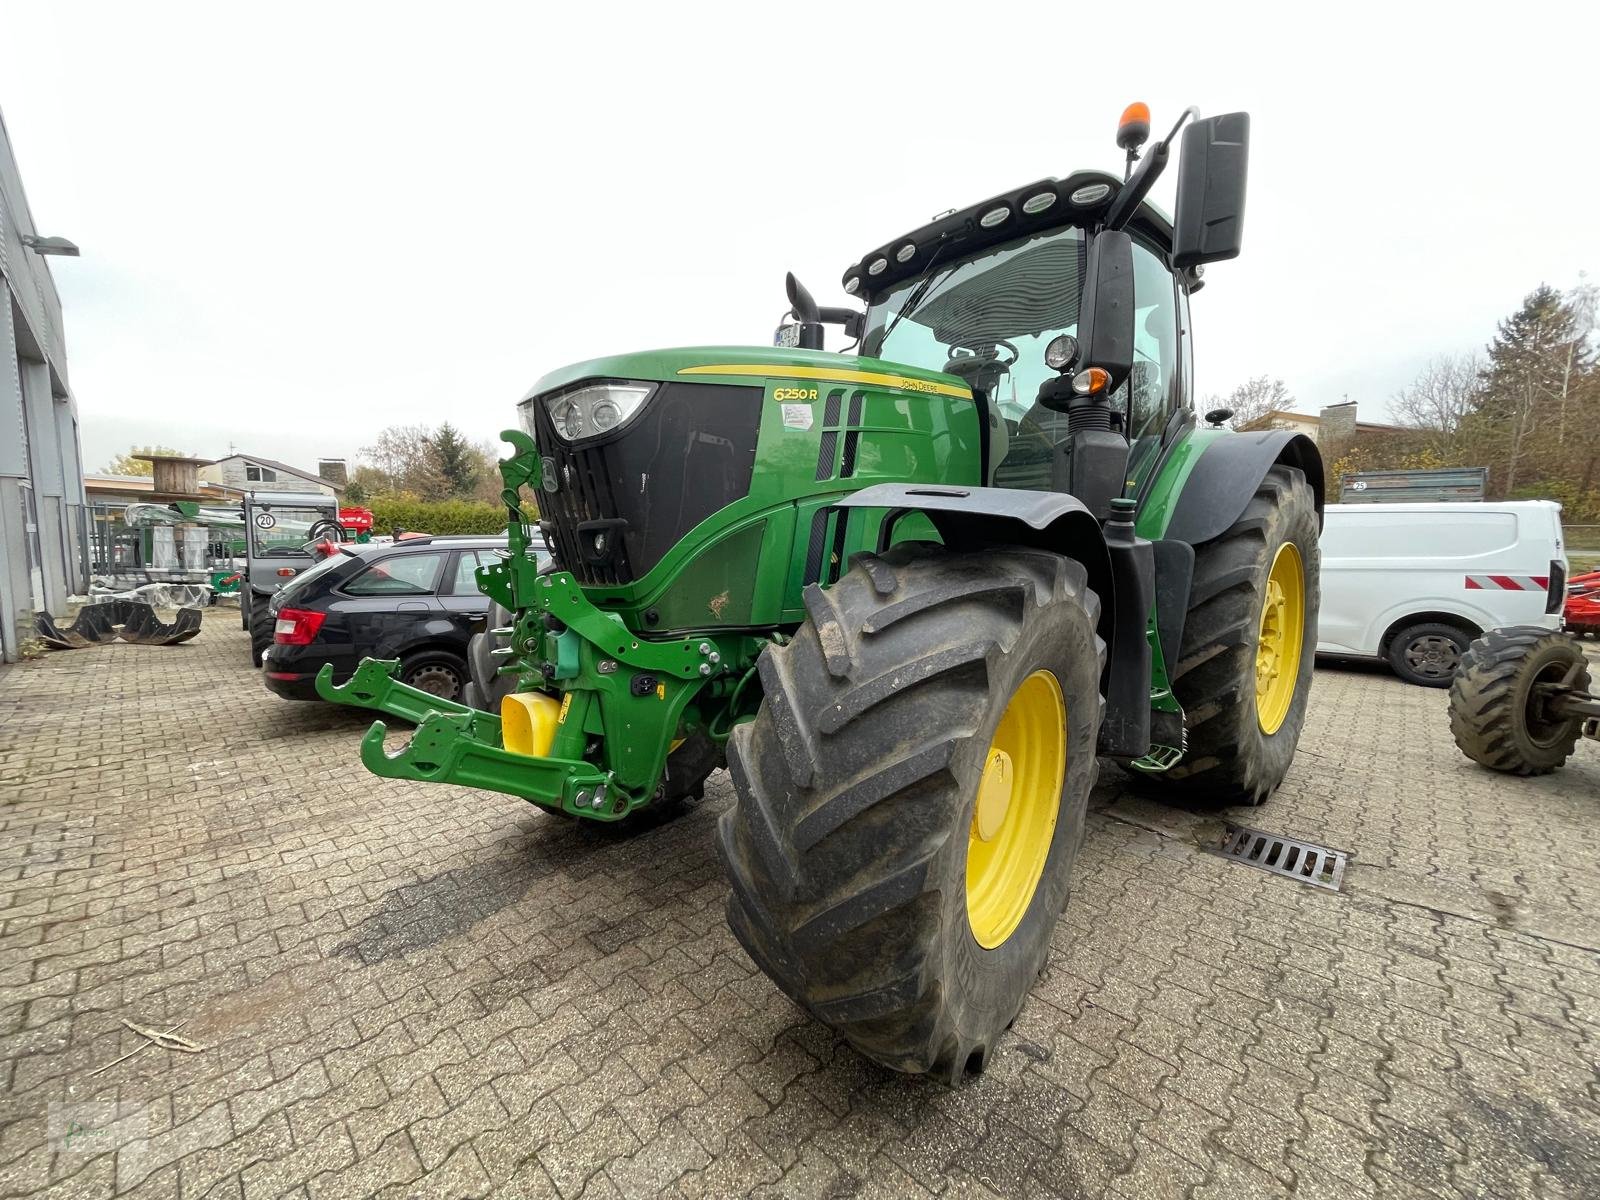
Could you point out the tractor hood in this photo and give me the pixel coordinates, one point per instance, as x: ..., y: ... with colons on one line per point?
x: 752, y: 365
x: 720, y: 426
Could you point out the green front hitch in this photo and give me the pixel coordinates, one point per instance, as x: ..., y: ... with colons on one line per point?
x: 457, y: 744
x: 374, y: 686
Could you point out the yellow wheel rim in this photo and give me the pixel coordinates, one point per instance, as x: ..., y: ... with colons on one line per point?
x: 1014, y: 816
x: 1279, y: 642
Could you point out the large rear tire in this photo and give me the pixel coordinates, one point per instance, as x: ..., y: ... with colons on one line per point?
x: 1496, y: 717
x: 911, y: 797
x: 1243, y: 673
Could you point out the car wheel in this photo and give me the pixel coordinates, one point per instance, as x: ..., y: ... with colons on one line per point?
x: 1428, y: 653
x: 437, y: 673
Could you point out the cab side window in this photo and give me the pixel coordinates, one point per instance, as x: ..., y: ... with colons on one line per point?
x: 1153, y: 390
x: 1152, y: 385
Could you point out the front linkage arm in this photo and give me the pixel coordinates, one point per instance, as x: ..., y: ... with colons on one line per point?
x: 456, y: 744
x: 627, y: 696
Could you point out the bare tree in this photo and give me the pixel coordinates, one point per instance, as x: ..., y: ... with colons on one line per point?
x: 1254, y: 401
x: 1442, y: 396
x: 404, y: 456
x: 1583, y: 301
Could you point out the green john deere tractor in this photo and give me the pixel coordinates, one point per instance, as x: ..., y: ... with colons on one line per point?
x: 908, y: 595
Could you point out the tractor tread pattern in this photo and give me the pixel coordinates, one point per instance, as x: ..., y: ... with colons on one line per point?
x: 262, y: 625
x: 829, y: 863
x: 1488, y: 694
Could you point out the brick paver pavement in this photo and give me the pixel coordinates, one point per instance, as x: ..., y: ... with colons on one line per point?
x: 426, y: 991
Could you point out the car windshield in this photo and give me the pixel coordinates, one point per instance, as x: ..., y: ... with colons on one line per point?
x: 280, y: 530
x: 1006, y: 303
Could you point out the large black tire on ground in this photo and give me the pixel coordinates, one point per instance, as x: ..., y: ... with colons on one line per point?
x: 488, y: 688
x: 1493, y: 715
x: 856, y: 786
x: 261, y: 626
x: 1229, y: 758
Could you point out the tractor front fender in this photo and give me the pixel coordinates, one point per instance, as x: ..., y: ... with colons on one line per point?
x: 1227, y: 474
x: 976, y: 518
x: 971, y: 518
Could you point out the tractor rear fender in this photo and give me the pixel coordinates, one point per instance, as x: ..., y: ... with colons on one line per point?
x: 973, y: 518
x: 1227, y: 474
x: 1210, y: 500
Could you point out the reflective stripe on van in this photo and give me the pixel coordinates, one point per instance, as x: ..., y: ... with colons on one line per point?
x: 1508, y: 583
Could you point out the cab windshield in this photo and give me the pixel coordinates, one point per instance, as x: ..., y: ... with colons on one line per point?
x: 1006, y: 303
x: 280, y: 530
x: 988, y: 319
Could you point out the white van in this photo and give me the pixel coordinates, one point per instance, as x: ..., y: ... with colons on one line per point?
x: 1415, y: 583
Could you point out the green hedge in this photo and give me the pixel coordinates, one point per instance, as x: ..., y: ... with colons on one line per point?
x: 435, y: 516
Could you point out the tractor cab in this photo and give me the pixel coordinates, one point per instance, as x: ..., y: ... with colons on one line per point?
x: 1002, y: 294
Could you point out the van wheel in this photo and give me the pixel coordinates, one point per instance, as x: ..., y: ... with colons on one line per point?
x: 435, y: 672
x: 1428, y: 653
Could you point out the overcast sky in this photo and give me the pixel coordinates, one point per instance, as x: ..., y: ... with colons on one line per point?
x: 303, y: 222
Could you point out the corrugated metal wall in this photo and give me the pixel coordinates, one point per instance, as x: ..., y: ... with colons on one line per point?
x: 42, y: 526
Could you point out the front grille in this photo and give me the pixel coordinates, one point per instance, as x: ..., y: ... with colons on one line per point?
x: 688, y: 453
x: 582, y: 497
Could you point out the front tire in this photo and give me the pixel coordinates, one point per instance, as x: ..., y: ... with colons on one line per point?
x: 1495, y: 715
x: 1243, y: 673
x: 890, y: 873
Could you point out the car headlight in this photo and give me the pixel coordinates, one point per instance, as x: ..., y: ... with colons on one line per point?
x: 598, y: 408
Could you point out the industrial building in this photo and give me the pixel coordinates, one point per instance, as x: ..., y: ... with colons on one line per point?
x: 43, y: 520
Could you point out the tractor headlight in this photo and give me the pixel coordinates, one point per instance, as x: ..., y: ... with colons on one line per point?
x: 598, y: 408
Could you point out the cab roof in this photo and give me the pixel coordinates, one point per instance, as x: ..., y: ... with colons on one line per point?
x: 1079, y: 199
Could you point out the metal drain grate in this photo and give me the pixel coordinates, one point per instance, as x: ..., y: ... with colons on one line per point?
x: 1307, y: 862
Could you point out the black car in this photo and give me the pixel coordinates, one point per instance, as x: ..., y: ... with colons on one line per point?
x: 415, y: 600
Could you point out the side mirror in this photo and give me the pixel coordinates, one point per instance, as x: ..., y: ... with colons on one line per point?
x: 1105, y: 324
x: 1209, y: 225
